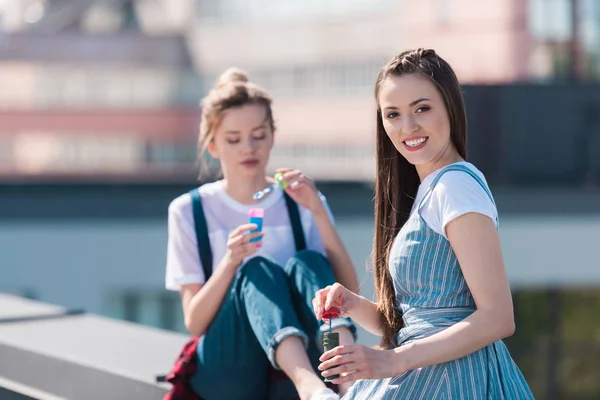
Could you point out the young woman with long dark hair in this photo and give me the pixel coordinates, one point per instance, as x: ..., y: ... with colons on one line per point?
x: 443, y: 302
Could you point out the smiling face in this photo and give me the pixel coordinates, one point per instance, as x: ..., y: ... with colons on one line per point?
x: 421, y: 115
x: 243, y: 141
x: 416, y: 120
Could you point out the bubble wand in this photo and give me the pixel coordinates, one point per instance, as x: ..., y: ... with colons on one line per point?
x: 279, y: 182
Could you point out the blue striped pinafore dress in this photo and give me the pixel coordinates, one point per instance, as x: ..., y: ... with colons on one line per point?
x: 433, y: 295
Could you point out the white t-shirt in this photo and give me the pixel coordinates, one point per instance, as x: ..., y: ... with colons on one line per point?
x: 223, y: 215
x: 455, y: 194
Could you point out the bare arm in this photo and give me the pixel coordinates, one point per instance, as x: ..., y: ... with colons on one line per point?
x: 363, y: 311
x: 338, y: 256
x: 202, y: 302
x: 477, y: 246
x: 304, y: 192
x: 366, y: 315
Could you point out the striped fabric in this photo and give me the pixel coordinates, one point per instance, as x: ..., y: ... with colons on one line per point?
x: 433, y: 295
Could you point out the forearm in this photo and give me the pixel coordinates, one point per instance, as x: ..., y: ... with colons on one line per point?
x: 205, y: 304
x: 473, y: 333
x: 338, y: 256
x: 365, y: 314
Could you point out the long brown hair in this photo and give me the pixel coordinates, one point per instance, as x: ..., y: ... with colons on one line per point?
x: 232, y: 90
x: 397, y: 181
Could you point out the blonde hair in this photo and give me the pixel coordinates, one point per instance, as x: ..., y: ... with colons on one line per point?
x: 232, y: 90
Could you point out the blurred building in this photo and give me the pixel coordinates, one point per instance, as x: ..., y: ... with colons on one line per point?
x: 96, y: 89
x: 336, y: 47
x: 319, y: 59
x: 322, y: 58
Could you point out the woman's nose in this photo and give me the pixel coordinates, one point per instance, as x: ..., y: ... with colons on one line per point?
x: 409, y: 125
x: 250, y: 146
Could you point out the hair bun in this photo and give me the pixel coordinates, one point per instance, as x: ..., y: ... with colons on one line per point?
x: 232, y: 75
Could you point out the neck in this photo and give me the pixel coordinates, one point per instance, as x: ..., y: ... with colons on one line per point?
x: 447, y: 157
x: 243, y: 188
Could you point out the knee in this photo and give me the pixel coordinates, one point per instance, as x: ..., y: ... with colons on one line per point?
x: 261, y: 269
x: 311, y: 256
x: 257, y: 265
x: 308, y: 259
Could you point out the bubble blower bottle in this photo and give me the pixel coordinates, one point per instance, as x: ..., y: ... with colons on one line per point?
x: 331, y: 340
x: 279, y: 183
x: 255, y: 216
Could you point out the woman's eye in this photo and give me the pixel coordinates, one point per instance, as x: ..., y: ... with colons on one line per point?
x: 261, y: 137
x: 233, y: 141
x: 393, y: 115
x: 423, y: 109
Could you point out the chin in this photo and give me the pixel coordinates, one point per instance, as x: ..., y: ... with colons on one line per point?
x: 415, y: 159
x: 252, y: 171
x: 419, y: 157
x: 249, y: 171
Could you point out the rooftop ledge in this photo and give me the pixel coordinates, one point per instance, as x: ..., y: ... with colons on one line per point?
x: 50, y: 353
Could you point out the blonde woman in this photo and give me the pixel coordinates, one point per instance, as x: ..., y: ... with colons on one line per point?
x: 255, y: 310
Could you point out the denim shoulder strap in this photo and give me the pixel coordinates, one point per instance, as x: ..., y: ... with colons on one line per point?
x: 202, y: 237
x: 463, y: 169
x: 297, y: 230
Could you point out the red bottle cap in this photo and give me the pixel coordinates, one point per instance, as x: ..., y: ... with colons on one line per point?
x: 333, y: 312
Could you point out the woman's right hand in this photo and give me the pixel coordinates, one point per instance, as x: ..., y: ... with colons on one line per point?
x: 334, y: 296
x: 239, y: 246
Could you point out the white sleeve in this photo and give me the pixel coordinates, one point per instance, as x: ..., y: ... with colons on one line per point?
x: 456, y: 193
x: 183, y: 262
x: 314, y: 240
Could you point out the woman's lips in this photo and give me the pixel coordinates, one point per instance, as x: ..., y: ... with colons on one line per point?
x: 414, y: 144
x: 250, y: 163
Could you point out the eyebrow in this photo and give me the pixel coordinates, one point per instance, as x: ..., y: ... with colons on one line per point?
x: 261, y: 126
x: 418, y: 101
x: 411, y: 104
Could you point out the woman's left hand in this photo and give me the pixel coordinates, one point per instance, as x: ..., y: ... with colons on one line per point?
x: 301, y: 189
x: 358, y: 362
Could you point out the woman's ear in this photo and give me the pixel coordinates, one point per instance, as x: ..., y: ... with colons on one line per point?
x: 212, y: 149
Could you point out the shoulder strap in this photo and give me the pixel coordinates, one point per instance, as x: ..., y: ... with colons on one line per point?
x: 294, y: 214
x: 458, y: 168
x: 202, y: 237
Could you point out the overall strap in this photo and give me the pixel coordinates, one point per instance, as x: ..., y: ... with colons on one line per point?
x: 462, y: 168
x: 294, y: 214
x: 202, y: 237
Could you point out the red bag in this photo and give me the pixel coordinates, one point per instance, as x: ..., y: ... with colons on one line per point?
x: 181, y: 373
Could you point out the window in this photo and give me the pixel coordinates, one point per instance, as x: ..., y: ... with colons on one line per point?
x: 264, y: 10
x: 551, y: 23
x: 550, y: 20
x: 170, y: 154
x: 343, y: 78
x: 590, y: 35
x: 6, y: 150
x: 444, y: 10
